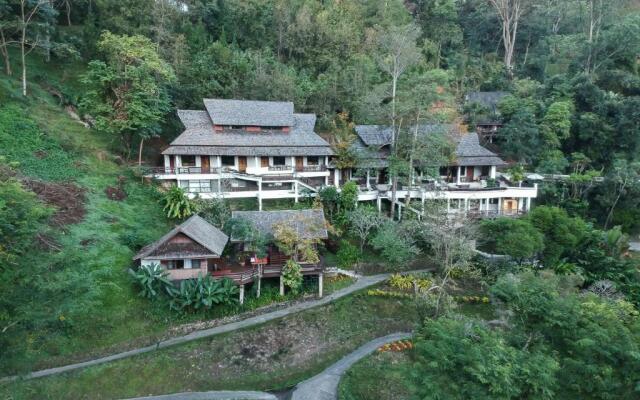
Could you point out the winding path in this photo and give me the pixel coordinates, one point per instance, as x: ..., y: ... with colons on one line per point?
x: 324, y: 386
x: 361, y: 283
x: 216, y: 395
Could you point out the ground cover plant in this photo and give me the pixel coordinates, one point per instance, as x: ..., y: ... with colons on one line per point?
x: 271, y: 356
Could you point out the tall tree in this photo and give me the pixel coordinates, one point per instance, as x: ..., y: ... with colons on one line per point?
x: 509, y: 12
x: 397, y: 51
x: 128, y: 89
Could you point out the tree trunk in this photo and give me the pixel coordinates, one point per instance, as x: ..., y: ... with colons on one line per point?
x: 140, y: 152
x: 24, y: 68
x: 613, y: 206
x: 5, y: 53
x: 68, y: 7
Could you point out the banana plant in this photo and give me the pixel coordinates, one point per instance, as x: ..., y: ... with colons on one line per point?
x: 152, y: 279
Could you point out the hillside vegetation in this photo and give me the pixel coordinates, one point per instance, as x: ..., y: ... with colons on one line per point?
x: 68, y: 292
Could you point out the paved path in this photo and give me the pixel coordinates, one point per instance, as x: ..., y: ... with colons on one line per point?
x: 634, y: 246
x: 361, y: 283
x: 217, y: 395
x: 324, y: 386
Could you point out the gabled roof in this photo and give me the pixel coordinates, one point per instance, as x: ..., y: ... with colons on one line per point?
x: 468, y: 149
x: 310, y: 223
x: 470, y: 152
x: 200, y: 138
x: 374, y: 135
x: 250, y: 112
x: 199, y: 230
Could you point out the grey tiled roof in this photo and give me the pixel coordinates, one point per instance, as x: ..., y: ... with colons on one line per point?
x: 300, y: 140
x: 470, y: 152
x: 489, y: 100
x: 250, y: 112
x: 310, y: 224
x: 468, y: 148
x: 194, y: 118
x: 197, y: 229
x: 374, y: 135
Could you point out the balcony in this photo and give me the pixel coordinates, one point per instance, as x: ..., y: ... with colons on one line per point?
x: 280, y: 168
x: 312, y: 168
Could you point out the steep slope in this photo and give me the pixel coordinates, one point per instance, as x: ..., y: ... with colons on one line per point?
x: 79, y: 298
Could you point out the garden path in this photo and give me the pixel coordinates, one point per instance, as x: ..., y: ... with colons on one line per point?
x: 215, y: 395
x: 324, y: 386
x: 362, y: 283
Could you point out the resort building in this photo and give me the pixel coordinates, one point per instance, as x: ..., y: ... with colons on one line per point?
x: 195, y: 248
x: 264, y: 150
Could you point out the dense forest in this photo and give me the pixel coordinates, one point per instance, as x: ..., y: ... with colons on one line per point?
x: 570, y: 69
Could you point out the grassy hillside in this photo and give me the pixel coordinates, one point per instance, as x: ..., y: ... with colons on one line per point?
x: 80, y: 298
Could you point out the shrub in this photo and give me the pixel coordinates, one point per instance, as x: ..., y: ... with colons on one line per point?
x: 176, y: 203
x: 202, y: 292
x: 152, y: 280
x: 348, y: 255
x: 292, y: 276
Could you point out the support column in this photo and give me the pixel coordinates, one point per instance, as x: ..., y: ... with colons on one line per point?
x: 320, y: 284
x: 458, y: 176
x: 466, y: 205
x: 448, y: 205
x: 259, y: 280
x: 499, y: 205
x: 527, y: 206
x: 492, y: 174
x: 336, y: 177
x: 368, y: 185
x: 241, y: 294
x: 281, y: 285
x: 259, y: 195
x: 295, y: 190
x: 379, y: 200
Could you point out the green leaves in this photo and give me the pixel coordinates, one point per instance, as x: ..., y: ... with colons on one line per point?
x: 202, y: 292
x: 152, y: 280
x: 292, y: 276
x: 176, y: 204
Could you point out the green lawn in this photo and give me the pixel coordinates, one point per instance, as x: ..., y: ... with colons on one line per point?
x: 380, y: 376
x: 272, y: 356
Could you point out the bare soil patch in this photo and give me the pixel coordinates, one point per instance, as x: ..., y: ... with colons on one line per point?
x: 67, y: 198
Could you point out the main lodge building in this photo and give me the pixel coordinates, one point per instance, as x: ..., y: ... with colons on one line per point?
x: 264, y: 150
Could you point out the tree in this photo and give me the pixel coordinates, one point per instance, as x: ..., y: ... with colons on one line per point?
x: 176, y: 203
x: 509, y: 12
x: 348, y: 255
x: 348, y: 196
x: 215, y: 211
x: 561, y: 232
x: 36, y: 16
x: 594, y: 340
x: 362, y: 221
x: 395, y: 242
x: 127, y: 92
x: 517, y: 238
x: 397, y: 51
x: 292, y: 275
x: 342, y: 141
x: 292, y: 242
x: 623, y: 175
x: 461, y: 358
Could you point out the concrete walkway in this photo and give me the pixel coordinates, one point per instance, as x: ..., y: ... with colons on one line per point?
x: 361, y: 283
x: 216, y: 395
x: 324, y: 386
x: 634, y: 246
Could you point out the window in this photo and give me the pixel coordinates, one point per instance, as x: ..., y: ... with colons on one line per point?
x: 197, y: 186
x: 195, y: 264
x: 279, y: 161
x: 174, y: 264
x: 188, y: 161
x: 228, y: 161
x: 314, y: 160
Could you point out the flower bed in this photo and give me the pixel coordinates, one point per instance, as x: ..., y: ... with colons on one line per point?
x: 397, y: 346
x: 387, y: 293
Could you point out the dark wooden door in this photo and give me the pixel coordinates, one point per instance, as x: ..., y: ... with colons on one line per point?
x: 172, y: 163
x: 264, y: 162
x: 470, y: 174
x: 204, y: 164
x: 242, y: 164
x: 299, y: 164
